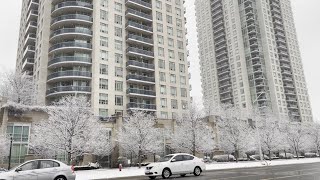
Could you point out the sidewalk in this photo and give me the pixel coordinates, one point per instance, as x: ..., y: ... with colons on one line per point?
x: 134, y: 171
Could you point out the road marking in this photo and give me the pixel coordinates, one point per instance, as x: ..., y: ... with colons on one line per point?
x: 301, y: 175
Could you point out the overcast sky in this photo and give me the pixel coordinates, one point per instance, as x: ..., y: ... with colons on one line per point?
x: 307, y: 19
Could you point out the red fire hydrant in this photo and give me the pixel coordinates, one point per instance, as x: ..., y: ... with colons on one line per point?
x: 120, y: 167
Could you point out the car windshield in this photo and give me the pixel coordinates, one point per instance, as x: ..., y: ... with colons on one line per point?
x: 166, y: 158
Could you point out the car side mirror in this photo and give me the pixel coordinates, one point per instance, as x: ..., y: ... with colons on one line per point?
x: 18, y: 169
x: 173, y: 160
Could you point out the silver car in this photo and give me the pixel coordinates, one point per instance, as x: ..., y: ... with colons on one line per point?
x: 40, y: 169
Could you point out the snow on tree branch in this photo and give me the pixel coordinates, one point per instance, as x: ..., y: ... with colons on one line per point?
x: 17, y: 88
x: 72, y: 129
x: 139, y: 134
x: 192, y: 133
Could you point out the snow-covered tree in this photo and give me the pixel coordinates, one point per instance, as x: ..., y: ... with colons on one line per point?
x: 17, y: 87
x: 296, y: 135
x: 192, y: 134
x: 314, y: 136
x: 270, y: 135
x: 139, y: 135
x: 4, y: 146
x: 72, y: 129
x: 235, y: 133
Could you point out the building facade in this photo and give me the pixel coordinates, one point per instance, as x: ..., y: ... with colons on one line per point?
x: 124, y: 54
x: 249, y: 56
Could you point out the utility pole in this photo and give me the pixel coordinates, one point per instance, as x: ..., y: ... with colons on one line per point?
x: 9, y: 163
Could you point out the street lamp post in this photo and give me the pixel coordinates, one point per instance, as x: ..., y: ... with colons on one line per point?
x: 9, y: 163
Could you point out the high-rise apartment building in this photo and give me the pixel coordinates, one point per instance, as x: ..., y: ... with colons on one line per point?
x: 124, y: 54
x: 249, y: 56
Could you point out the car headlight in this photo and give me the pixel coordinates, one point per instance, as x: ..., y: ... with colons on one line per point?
x: 150, y: 167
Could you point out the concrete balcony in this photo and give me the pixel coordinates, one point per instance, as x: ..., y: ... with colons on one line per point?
x: 71, y: 74
x: 63, y: 90
x: 69, y: 61
x: 68, y: 19
x: 134, y: 14
x: 139, y: 4
x: 140, y: 52
x: 135, y: 39
x: 141, y: 92
x: 131, y: 64
x: 28, y: 64
x: 31, y: 27
x: 33, y: 5
x: 140, y: 79
x: 141, y: 106
x: 29, y: 51
x: 71, y: 6
x: 71, y: 45
x: 30, y: 39
x: 71, y: 33
x: 139, y: 28
x: 32, y: 15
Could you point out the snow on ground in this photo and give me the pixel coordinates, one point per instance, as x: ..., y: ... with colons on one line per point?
x: 134, y: 171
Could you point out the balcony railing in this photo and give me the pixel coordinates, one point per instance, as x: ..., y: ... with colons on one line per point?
x: 72, y: 17
x: 69, y: 89
x: 72, y: 4
x: 140, y: 38
x: 141, y: 106
x: 70, y: 44
x: 70, y: 59
x: 86, y: 74
x: 138, y: 13
x: 140, y: 64
x: 71, y: 30
x: 140, y: 51
x: 140, y: 26
x: 141, y: 91
x: 140, y: 78
x: 143, y: 3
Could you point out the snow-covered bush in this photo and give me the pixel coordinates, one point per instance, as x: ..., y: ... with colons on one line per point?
x: 310, y: 155
x: 224, y: 158
x: 286, y: 156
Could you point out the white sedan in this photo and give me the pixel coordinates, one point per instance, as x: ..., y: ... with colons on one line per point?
x: 40, y: 169
x: 175, y: 164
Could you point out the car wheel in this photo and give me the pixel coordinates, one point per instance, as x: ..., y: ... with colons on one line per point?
x: 152, y: 177
x: 60, y: 178
x: 182, y: 175
x: 197, y: 171
x: 166, y: 173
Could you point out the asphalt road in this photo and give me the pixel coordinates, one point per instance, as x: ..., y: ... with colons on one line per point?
x: 285, y: 172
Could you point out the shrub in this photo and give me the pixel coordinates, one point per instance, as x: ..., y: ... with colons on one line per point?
x: 223, y: 158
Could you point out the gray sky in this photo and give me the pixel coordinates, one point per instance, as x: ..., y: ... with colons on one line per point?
x: 307, y: 18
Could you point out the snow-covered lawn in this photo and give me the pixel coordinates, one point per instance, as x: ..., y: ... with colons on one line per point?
x: 134, y: 171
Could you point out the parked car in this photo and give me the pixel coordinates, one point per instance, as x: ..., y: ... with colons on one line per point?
x: 175, y: 164
x: 95, y: 165
x: 2, y: 170
x: 44, y: 169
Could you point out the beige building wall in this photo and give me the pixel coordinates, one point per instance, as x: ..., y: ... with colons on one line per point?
x: 112, y: 51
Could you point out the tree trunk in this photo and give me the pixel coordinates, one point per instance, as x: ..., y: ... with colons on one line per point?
x: 285, y: 154
x: 69, y: 158
x: 130, y: 159
x: 297, y: 154
x: 236, y: 155
x: 139, y: 158
x: 269, y: 155
x: 318, y: 151
x: 194, y: 144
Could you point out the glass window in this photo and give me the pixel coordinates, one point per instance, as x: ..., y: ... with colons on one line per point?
x: 103, y: 83
x: 119, y: 86
x: 103, y: 112
x: 119, y: 100
x: 103, y: 69
x: 187, y: 157
x: 178, y: 158
x: 29, y: 166
x: 103, y: 98
x: 48, y: 164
